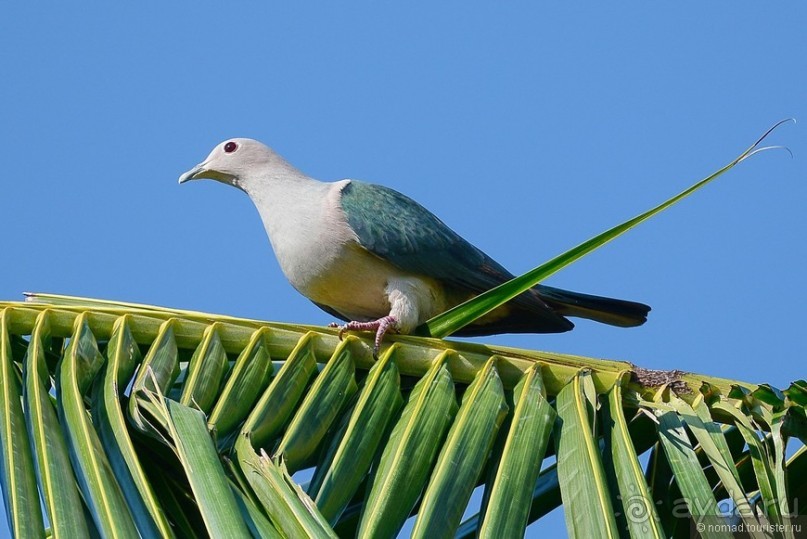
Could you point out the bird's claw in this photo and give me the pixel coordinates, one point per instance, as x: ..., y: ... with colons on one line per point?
x: 380, y: 326
x: 342, y: 328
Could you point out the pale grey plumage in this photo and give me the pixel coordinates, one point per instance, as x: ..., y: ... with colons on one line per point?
x: 366, y: 253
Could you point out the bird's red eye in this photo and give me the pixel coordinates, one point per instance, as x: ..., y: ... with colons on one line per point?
x: 230, y: 147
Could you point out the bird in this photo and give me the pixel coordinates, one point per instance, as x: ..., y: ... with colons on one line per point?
x: 381, y: 262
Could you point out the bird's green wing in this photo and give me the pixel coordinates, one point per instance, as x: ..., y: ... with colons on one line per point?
x: 395, y: 228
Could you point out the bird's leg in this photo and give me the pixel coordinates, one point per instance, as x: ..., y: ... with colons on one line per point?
x: 380, y: 326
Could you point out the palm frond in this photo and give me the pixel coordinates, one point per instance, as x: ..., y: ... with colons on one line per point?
x: 162, y: 422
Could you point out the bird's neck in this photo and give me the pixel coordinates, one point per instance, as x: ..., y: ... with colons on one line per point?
x: 281, y: 197
x: 282, y: 182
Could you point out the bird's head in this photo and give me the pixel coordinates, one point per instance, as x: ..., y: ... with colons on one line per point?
x: 234, y: 162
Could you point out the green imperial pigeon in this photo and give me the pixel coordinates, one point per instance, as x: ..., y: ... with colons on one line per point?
x: 379, y: 260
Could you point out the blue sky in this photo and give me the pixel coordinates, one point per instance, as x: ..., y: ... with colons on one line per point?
x: 527, y: 128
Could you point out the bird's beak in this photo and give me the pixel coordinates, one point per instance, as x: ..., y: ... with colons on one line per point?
x: 195, y: 173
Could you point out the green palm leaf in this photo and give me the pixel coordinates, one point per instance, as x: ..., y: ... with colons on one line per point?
x: 460, y: 316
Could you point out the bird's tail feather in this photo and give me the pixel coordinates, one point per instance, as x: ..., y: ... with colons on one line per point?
x: 616, y: 312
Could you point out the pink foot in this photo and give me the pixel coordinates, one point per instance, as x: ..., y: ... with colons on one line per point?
x: 380, y: 326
